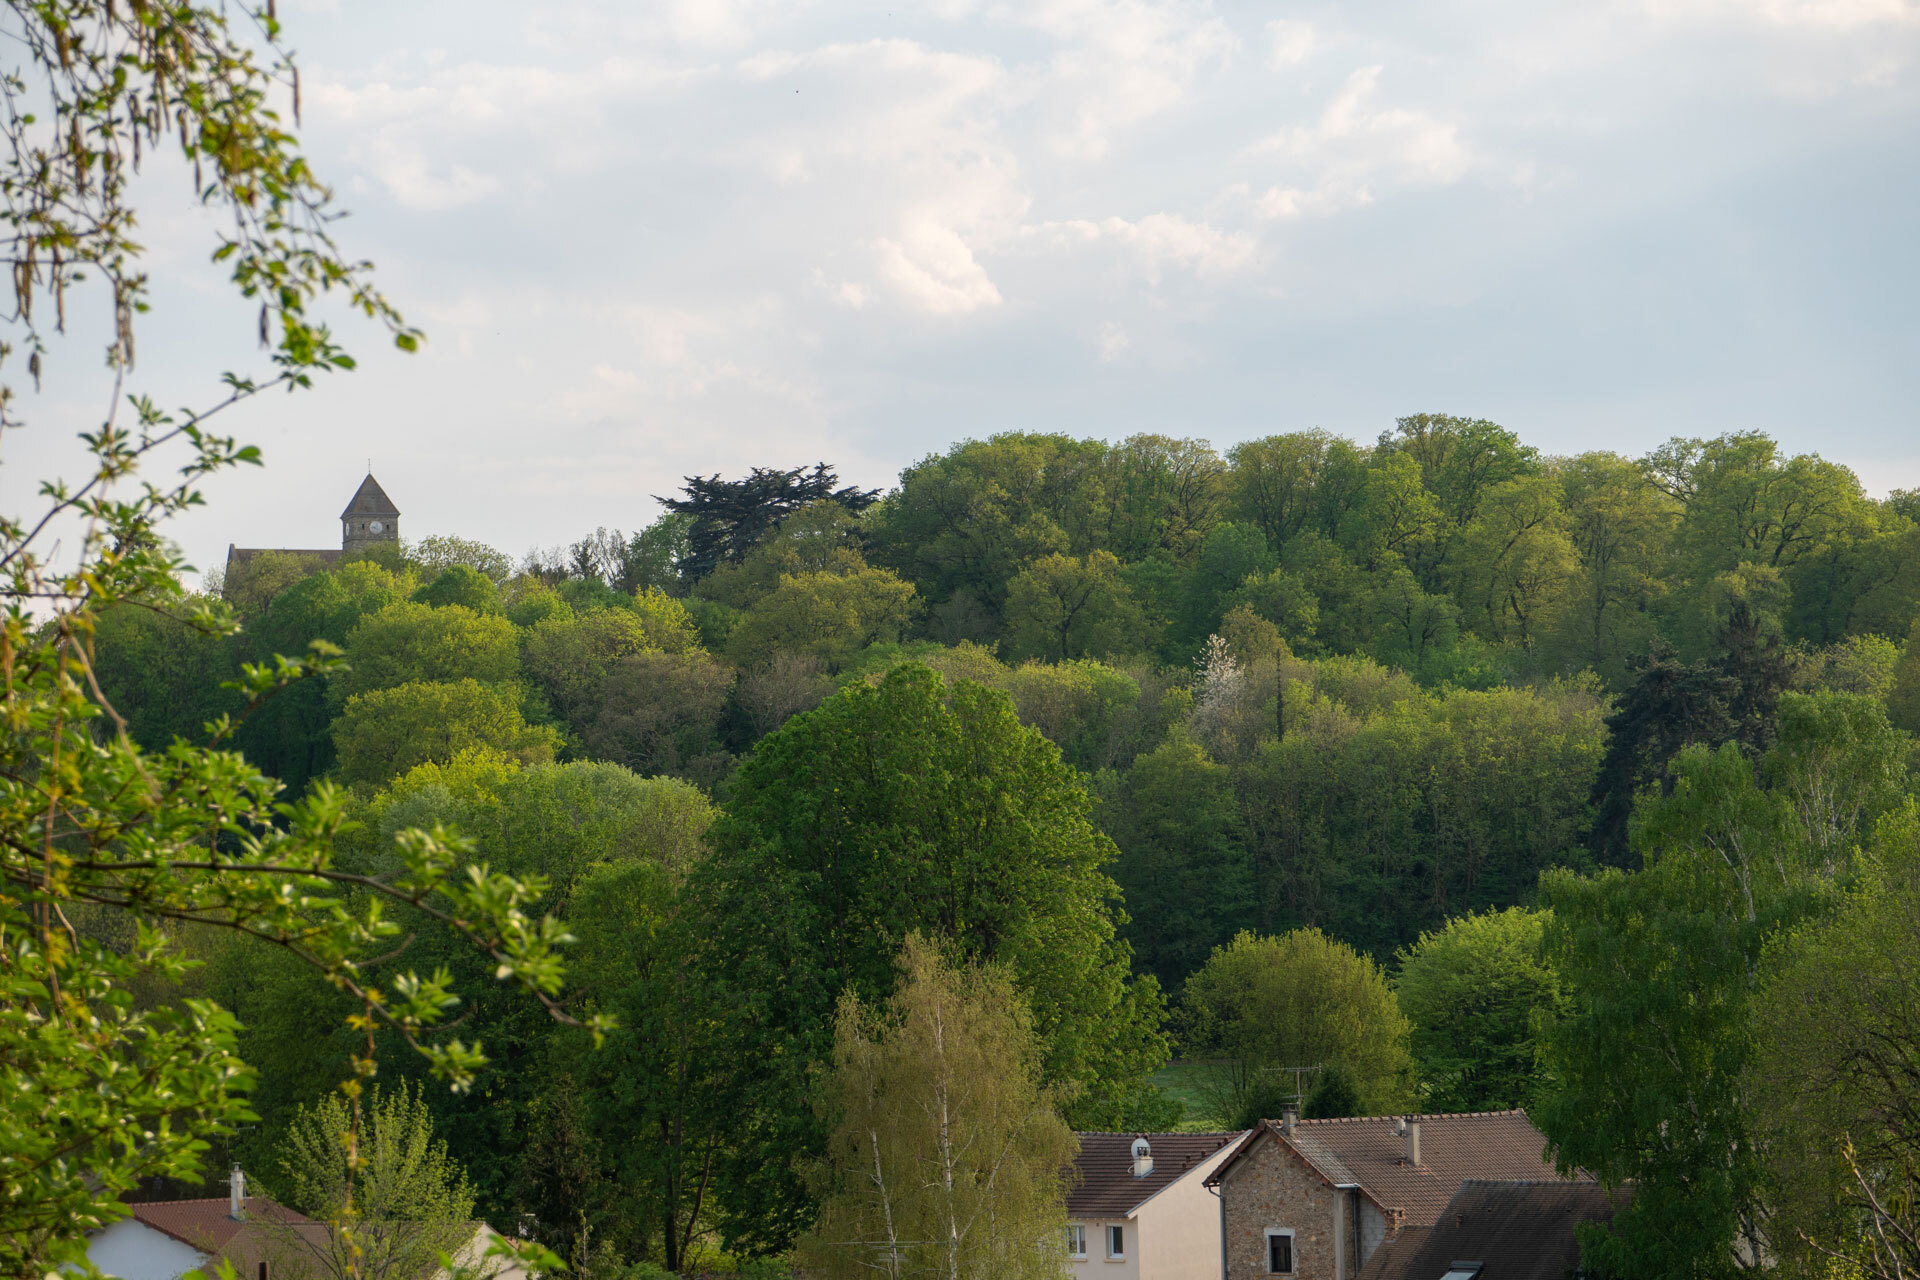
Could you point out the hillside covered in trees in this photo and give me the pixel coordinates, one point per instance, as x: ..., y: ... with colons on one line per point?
x: 1127, y: 720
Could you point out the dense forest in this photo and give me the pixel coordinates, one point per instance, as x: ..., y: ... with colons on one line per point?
x: 1469, y: 731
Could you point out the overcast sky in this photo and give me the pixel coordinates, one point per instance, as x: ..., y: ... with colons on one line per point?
x: 652, y: 239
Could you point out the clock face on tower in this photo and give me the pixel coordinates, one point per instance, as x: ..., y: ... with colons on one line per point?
x: 377, y: 527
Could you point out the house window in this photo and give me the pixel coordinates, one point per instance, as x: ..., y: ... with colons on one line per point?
x: 1279, y: 1251
x: 1116, y: 1242
x: 1076, y: 1240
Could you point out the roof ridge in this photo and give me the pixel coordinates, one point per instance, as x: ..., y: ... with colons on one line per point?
x: 1408, y: 1115
x: 1141, y: 1133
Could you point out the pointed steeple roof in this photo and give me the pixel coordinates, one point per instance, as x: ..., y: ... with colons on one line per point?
x: 370, y: 500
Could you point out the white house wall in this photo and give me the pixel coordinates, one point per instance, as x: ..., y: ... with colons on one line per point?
x: 1097, y: 1265
x: 1173, y: 1236
x: 132, y: 1250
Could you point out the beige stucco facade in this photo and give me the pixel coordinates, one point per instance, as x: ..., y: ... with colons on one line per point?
x: 1273, y: 1189
x: 1175, y: 1235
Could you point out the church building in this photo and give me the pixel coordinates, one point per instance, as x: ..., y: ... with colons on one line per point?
x: 370, y: 520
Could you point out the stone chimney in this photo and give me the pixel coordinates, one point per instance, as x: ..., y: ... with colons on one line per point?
x: 1288, y: 1118
x: 1142, y: 1157
x: 1413, y: 1142
x: 237, y: 1195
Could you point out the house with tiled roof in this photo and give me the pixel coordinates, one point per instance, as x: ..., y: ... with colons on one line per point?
x: 264, y: 1240
x: 1314, y: 1199
x: 1139, y: 1206
x: 1518, y: 1230
x: 166, y: 1239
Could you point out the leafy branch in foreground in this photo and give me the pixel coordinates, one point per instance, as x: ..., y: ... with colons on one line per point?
x: 98, y: 1090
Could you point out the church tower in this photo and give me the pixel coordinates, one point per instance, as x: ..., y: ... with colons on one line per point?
x: 370, y: 519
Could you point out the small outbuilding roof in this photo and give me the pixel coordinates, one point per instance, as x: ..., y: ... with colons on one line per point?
x: 1104, y: 1185
x: 1515, y: 1230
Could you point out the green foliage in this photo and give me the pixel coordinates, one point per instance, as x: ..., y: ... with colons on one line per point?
x: 1903, y: 700
x: 412, y: 643
x: 945, y: 1156
x: 659, y: 712
x: 1385, y: 810
x: 166, y: 673
x: 569, y: 656
x: 463, y: 586
x: 104, y: 1090
x: 383, y: 734
x: 439, y: 553
x: 1853, y: 664
x: 1836, y: 1042
x: 1060, y: 608
x: 251, y: 585
x: 1276, y: 1011
x: 381, y: 1176
x: 826, y: 615
x: 726, y: 518
x: 1183, y: 858
x: 530, y: 603
x: 1477, y: 992
x: 1659, y: 969
x: 901, y: 806
x: 668, y: 625
x: 1086, y: 708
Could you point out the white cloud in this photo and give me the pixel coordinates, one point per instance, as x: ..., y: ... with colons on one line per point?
x: 935, y: 270
x: 1834, y: 16
x: 1120, y: 62
x: 1290, y: 43
x: 1113, y: 341
x: 1159, y: 241
x: 1356, y: 146
x: 413, y: 185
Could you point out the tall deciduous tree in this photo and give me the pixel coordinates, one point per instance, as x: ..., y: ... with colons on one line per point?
x: 1277, y: 1012
x: 1271, y: 483
x: 1620, y: 523
x: 1183, y: 859
x: 946, y: 1156
x: 1835, y: 1076
x: 1648, y: 1066
x: 894, y: 807
x: 1061, y: 607
x: 1476, y: 991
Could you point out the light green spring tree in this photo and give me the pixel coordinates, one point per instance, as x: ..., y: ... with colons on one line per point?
x: 946, y: 1156
x: 411, y: 1202
x: 1275, y: 1014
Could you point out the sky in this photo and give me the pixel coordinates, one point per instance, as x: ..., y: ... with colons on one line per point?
x: 694, y: 236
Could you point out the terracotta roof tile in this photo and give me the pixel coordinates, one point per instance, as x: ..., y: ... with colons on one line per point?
x: 1104, y: 1185
x: 1516, y: 1230
x: 206, y: 1224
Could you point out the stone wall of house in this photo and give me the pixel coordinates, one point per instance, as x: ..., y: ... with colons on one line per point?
x: 1273, y: 1187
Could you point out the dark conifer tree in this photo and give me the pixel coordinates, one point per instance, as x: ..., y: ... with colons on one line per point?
x: 730, y: 516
